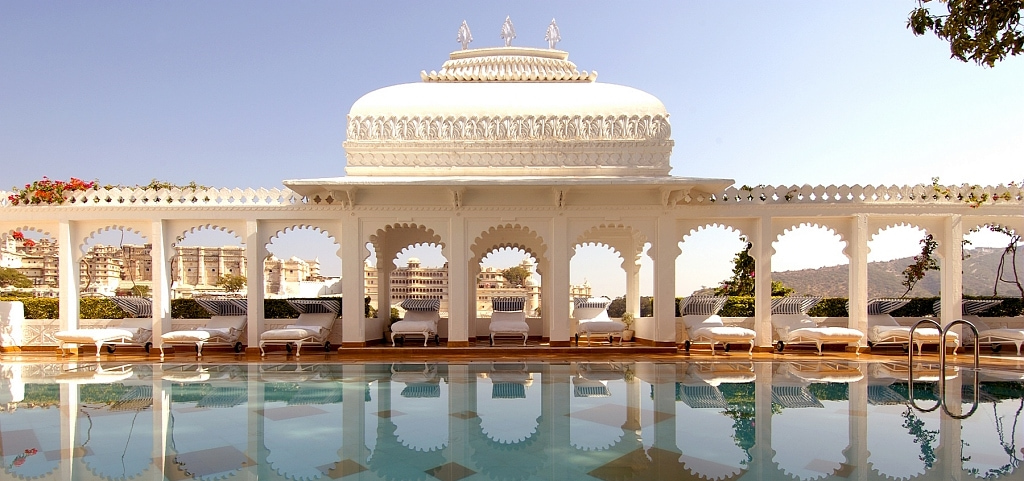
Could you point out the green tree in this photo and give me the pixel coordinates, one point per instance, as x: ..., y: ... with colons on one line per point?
x: 14, y: 278
x: 516, y: 276
x: 742, y: 281
x: 232, y: 282
x: 980, y: 31
x: 923, y: 263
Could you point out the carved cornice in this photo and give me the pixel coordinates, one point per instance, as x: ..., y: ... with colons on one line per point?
x: 641, y: 163
x: 522, y: 128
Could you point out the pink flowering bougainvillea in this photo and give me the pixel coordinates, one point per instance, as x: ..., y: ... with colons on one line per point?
x: 47, y: 191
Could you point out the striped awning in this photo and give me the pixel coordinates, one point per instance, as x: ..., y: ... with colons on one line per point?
x: 309, y: 306
x: 508, y: 390
x: 224, y: 397
x: 508, y: 304
x: 794, y: 397
x: 884, y: 396
x: 328, y: 393
x: 134, y: 306
x: 969, y: 306
x: 224, y: 307
x: 794, y: 304
x: 419, y: 390
x: 883, y: 305
x: 702, y: 305
x: 700, y: 396
x: 591, y: 302
x: 421, y: 304
x: 136, y: 398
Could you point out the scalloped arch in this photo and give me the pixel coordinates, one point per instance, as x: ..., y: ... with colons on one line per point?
x: 211, y: 226
x: 596, y: 236
x: 302, y: 226
x: 28, y: 228
x: 892, y: 225
x: 713, y: 225
x: 108, y: 228
x: 984, y: 225
x: 814, y: 225
x: 509, y: 235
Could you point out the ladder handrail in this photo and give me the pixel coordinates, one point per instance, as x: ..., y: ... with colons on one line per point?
x: 942, y: 366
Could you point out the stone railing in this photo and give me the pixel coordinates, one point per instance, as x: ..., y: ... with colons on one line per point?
x: 132, y: 197
x: 918, y: 194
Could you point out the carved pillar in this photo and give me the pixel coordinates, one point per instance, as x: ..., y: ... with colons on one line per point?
x: 353, y: 315
x: 69, y: 273
x: 761, y: 251
x: 857, y: 252
x: 561, y: 251
x: 952, y: 273
x: 458, y: 283
x: 631, y: 265
x: 666, y: 251
x: 161, y: 289
x: 255, y: 252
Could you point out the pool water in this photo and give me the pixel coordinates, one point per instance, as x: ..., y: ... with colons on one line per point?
x: 509, y: 421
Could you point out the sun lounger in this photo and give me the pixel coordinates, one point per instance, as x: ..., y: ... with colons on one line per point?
x: 223, y: 329
x: 883, y: 328
x: 591, y: 315
x: 316, y: 319
x: 794, y: 326
x: 130, y: 331
x: 704, y: 326
x: 993, y: 337
x: 508, y: 316
x: 421, y: 317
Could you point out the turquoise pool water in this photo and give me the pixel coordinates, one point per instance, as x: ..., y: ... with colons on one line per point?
x: 508, y: 421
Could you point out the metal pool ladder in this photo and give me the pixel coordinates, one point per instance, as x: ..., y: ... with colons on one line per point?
x: 942, y: 366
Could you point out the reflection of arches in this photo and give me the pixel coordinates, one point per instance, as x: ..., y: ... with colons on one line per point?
x: 200, y: 452
x: 118, y: 437
x: 300, y: 442
x: 37, y: 429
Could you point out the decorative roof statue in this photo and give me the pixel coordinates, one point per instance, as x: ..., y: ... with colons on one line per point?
x: 464, y: 36
x: 552, y: 35
x: 508, y: 32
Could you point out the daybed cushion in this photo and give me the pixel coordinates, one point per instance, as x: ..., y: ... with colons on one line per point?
x: 226, y: 322
x: 83, y: 336
x: 799, y: 326
x: 292, y: 332
x: 502, y: 321
x: 417, y: 321
x: 712, y: 327
x: 882, y: 327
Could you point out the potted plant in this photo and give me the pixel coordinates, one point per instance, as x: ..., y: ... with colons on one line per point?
x: 628, y: 320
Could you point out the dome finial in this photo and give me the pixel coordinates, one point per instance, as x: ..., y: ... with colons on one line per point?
x: 464, y: 36
x: 552, y: 35
x: 508, y: 32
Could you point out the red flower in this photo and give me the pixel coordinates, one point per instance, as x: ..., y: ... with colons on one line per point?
x: 18, y: 235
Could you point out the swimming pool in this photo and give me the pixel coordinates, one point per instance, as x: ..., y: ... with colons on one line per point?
x: 508, y: 421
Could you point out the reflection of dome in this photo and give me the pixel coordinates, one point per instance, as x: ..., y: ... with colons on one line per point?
x: 508, y: 110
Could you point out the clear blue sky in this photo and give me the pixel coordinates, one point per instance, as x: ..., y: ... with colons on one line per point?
x: 246, y: 94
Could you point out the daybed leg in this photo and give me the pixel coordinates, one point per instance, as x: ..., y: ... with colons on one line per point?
x: 819, y: 348
x: 713, y: 347
x: 524, y: 343
x: 262, y: 352
x: 161, y: 350
x: 199, y: 348
x: 426, y: 337
x: 1018, y: 347
x: 298, y: 346
x: 492, y: 338
x: 99, y: 347
x: 392, y: 339
x: 751, y: 351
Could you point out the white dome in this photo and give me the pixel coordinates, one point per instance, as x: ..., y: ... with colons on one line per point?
x: 508, y: 111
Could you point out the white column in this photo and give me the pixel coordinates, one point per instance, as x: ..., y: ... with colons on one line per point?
x: 69, y: 409
x: 458, y: 283
x: 255, y: 252
x: 631, y: 265
x: 353, y: 314
x: 857, y: 250
x: 161, y: 279
x: 666, y: 250
x: 69, y: 273
x: 561, y: 251
x: 951, y: 249
x: 762, y: 253
x: 857, y: 454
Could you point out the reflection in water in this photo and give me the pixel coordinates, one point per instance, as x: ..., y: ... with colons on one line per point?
x: 508, y: 421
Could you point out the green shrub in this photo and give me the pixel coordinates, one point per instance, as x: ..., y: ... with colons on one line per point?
x: 738, y: 306
x: 917, y: 307
x: 830, y: 307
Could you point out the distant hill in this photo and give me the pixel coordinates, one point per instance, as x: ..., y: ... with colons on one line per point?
x: 884, y: 278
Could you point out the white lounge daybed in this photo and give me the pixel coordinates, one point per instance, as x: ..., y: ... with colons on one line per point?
x: 508, y: 316
x: 421, y: 317
x: 130, y: 331
x: 314, y: 324
x: 884, y: 330
x: 993, y: 337
x: 794, y: 326
x: 223, y: 329
x: 591, y: 315
x: 704, y: 326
